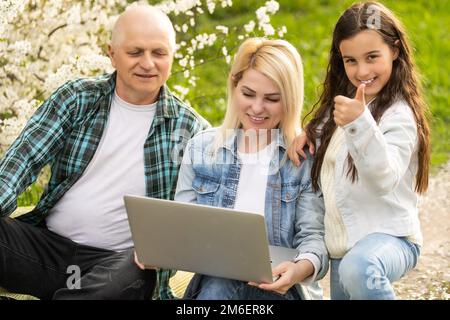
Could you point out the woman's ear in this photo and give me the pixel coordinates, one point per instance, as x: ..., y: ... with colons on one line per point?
x: 396, y: 49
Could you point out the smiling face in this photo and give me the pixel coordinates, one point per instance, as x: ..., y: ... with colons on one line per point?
x: 368, y: 59
x: 142, y: 54
x: 258, y: 101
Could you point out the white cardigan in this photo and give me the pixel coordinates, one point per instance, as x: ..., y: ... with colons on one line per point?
x: 385, y: 155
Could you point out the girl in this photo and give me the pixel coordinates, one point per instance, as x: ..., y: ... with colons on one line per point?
x: 242, y: 165
x: 372, y: 141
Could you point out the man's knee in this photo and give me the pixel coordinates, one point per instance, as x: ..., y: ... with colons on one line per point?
x: 116, y: 278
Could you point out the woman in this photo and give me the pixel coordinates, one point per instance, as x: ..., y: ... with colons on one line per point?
x: 243, y: 165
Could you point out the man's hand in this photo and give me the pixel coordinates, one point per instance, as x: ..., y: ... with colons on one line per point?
x: 295, y: 150
x: 346, y: 109
x: 141, y: 265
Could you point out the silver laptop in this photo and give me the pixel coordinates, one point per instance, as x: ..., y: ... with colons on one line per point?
x: 207, y: 240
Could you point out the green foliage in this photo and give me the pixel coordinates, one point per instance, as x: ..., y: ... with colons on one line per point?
x: 310, y: 25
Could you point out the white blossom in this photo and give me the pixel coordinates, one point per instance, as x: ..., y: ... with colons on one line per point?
x: 226, y: 3
x: 74, y: 15
x: 182, y: 91
x: 211, y: 6
x: 272, y: 6
x: 223, y: 29
x: 268, y: 30
x: 282, y: 31
x: 249, y: 27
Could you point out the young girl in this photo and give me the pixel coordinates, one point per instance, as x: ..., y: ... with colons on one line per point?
x: 372, y: 142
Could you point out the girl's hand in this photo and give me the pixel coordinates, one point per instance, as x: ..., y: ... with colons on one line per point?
x: 288, y: 273
x: 346, y: 109
x: 296, y: 148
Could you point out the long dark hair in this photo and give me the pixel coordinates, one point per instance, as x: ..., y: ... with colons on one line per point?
x: 403, y: 84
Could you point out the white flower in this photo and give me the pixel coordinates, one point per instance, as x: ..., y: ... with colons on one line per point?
x: 226, y: 3
x: 183, y: 91
x: 211, y: 6
x: 268, y: 29
x: 282, y: 31
x: 22, y: 47
x: 73, y: 15
x: 223, y: 29
x: 261, y: 15
x: 249, y: 27
x: 61, y: 76
x: 88, y: 63
x: 272, y: 6
x: 183, y: 62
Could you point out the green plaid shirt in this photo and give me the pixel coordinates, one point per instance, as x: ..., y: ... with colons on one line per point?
x: 65, y: 132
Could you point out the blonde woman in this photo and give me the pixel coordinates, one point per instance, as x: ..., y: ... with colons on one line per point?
x: 243, y: 165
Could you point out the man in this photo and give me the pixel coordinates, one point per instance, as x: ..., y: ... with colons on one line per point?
x: 104, y: 137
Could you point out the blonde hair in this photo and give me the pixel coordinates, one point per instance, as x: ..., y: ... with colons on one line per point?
x: 279, y: 61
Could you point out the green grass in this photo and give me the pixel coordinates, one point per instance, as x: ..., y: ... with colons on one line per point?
x: 31, y: 196
x: 310, y: 24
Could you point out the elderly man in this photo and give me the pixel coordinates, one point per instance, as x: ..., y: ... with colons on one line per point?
x: 103, y: 137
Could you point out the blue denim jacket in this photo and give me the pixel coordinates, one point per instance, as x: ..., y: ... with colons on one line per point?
x: 293, y: 212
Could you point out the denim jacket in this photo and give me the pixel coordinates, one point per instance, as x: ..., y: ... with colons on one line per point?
x: 293, y: 212
x: 386, y: 157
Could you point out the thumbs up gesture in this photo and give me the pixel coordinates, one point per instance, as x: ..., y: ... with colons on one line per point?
x: 346, y: 109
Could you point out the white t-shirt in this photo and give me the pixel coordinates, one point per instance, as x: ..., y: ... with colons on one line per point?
x: 92, y: 211
x: 251, y: 191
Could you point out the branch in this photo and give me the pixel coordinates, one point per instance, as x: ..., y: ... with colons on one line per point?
x: 56, y: 29
x: 38, y: 77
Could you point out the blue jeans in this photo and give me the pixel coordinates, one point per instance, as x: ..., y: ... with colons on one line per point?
x: 368, y: 269
x: 214, y: 288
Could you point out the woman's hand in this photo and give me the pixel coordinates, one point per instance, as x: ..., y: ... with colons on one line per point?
x: 288, y: 273
x: 296, y: 148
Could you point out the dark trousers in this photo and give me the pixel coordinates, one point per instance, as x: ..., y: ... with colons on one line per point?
x: 38, y: 262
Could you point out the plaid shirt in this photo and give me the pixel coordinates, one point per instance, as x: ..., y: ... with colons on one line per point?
x: 65, y: 132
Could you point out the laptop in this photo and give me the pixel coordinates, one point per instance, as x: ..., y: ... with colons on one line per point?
x: 203, y: 239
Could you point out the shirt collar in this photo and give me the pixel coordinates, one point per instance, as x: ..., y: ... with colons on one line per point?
x: 167, y: 103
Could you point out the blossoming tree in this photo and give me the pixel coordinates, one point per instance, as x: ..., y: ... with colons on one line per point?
x: 44, y: 43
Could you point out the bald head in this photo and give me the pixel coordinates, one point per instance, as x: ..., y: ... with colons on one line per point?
x: 139, y: 19
x: 142, y: 50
